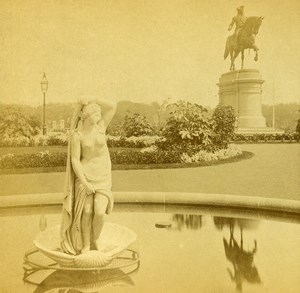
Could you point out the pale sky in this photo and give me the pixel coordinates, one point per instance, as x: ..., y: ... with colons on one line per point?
x: 140, y: 50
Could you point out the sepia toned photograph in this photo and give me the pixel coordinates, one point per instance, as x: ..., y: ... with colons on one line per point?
x: 149, y: 146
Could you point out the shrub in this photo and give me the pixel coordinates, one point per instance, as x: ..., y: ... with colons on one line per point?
x: 188, y: 125
x: 223, y: 125
x: 39, y: 140
x: 20, y: 141
x: 57, y: 139
x: 14, y: 123
x: 116, y: 141
x: 136, y: 125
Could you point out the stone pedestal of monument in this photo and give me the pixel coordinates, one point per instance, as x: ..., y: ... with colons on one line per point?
x: 242, y: 89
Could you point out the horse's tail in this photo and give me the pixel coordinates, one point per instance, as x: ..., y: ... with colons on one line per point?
x: 226, y: 52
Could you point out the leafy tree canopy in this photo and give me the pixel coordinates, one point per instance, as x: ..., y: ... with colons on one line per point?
x: 14, y: 123
x: 223, y: 125
x: 136, y: 125
x: 188, y: 124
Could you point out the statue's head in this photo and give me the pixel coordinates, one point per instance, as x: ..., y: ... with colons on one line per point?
x: 91, y: 110
x: 240, y: 9
x: 257, y: 24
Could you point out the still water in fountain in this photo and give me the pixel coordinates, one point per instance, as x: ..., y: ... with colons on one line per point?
x: 204, y: 250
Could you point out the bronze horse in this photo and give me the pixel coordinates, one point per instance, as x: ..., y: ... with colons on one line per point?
x: 244, y: 40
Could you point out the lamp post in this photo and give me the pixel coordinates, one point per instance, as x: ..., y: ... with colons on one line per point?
x: 44, y: 88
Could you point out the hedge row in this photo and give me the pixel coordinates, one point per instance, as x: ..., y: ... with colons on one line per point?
x: 47, y: 159
x: 128, y: 157
x: 61, y: 139
x: 135, y: 158
x: 290, y: 137
x: 132, y: 142
x: 42, y: 159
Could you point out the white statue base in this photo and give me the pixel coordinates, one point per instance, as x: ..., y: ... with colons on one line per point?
x: 242, y: 89
x: 113, y: 241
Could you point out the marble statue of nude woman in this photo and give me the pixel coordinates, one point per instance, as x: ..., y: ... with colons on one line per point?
x: 87, y: 194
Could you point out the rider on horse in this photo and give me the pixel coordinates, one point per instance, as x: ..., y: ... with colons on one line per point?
x: 239, y: 20
x: 246, y: 28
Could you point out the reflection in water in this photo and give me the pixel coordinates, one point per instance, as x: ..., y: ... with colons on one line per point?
x: 80, y: 281
x: 43, y: 222
x: 246, y: 224
x: 200, y: 249
x: 190, y: 222
x: 242, y: 260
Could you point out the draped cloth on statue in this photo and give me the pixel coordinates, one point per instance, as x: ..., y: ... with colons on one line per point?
x: 74, y: 198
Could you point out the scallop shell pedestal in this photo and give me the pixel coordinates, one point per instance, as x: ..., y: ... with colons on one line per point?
x: 113, y: 241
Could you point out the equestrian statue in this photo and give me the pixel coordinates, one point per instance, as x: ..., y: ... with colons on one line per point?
x: 246, y: 28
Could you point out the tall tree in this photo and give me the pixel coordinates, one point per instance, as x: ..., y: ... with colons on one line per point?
x: 14, y: 123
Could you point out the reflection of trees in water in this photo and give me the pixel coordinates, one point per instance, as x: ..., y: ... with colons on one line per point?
x: 190, y: 222
x: 242, y: 260
x: 246, y: 224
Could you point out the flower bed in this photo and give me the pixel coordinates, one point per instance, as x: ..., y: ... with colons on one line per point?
x: 205, y: 156
x: 149, y: 155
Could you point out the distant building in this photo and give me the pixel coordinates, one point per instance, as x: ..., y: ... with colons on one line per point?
x: 61, y: 124
x: 54, y: 125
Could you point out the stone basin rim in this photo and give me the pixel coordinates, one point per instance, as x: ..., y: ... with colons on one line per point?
x: 205, y: 199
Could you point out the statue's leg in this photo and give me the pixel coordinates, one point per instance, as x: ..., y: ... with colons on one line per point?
x: 86, y: 222
x: 100, y: 206
x: 231, y: 59
x: 232, y: 52
x: 236, y: 53
x: 242, y: 55
x: 256, y: 52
